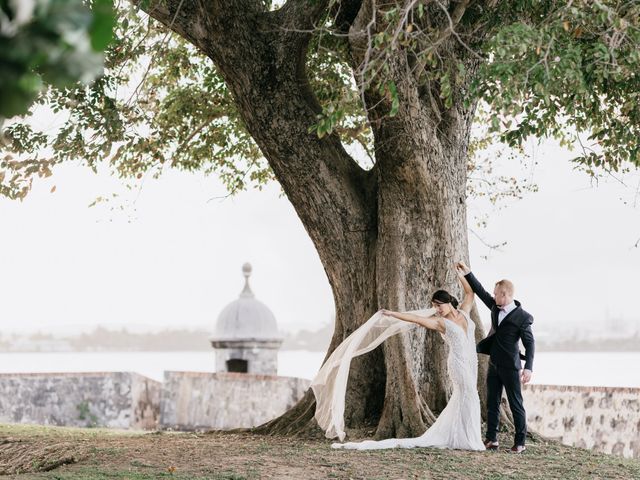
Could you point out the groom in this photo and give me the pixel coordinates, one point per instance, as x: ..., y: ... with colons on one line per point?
x: 509, y: 324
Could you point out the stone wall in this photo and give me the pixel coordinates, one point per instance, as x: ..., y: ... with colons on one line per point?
x: 195, y: 400
x: 604, y: 419
x: 600, y: 418
x: 101, y: 399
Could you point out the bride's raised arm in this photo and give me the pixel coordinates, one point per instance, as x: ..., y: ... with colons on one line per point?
x: 467, y: 302
x: 432, y: 323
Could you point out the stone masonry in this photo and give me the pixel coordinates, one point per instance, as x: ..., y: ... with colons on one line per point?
x: 101, y: 399
x: 604, y: 419
x: 195, y: 400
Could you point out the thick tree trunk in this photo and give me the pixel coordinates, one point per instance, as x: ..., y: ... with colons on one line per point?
x: 387, y: 237
x: 422, y: 232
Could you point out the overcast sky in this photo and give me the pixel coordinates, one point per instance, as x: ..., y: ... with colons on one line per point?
x: 172, y: 257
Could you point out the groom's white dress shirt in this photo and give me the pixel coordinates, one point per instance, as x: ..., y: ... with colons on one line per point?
x: 504, y: 311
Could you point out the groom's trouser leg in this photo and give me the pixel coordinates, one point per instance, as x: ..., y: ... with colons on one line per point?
x: 494, y: 394
x: 511, y: 380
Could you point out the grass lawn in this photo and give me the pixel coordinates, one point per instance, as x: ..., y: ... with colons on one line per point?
x: 71, y: 453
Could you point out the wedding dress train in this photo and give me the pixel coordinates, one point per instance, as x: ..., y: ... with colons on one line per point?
x: 457, y: 426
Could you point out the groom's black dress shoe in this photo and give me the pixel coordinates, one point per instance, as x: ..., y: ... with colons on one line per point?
x: 490, y: 445
x: 518, y: 449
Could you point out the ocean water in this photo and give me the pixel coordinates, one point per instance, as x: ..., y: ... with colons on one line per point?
x: 612, y: 369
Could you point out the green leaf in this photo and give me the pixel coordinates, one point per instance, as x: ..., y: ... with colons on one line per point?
x: 101, y: 30
x: 395, y: 101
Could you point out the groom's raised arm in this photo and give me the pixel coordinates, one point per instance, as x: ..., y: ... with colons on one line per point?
x: 477, y: 288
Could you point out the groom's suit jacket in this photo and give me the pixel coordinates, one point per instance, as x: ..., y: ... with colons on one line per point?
x: 501, y: 344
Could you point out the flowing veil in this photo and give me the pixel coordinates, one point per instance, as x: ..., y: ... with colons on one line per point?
x: 330, y: 384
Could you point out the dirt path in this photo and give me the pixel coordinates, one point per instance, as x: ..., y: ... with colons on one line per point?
x: 66, y: 453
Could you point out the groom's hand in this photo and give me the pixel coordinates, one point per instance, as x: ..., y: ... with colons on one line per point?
x: 525, y: 376
x: 462, y: 268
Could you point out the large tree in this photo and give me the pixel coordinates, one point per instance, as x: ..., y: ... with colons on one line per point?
x: 363, y: 111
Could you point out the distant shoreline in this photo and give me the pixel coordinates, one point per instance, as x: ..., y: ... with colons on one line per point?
x: 209, y: 349
x: 181, y: 340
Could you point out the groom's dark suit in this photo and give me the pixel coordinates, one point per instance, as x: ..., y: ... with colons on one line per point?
x: 502, y: 346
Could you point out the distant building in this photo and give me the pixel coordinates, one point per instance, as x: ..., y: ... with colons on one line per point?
x: 246, y: 337
x: 246, y: 390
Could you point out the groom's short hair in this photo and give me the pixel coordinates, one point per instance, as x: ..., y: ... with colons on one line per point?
x: 506, y: 285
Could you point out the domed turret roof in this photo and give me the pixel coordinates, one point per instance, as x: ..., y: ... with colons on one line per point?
x: 246, y: 318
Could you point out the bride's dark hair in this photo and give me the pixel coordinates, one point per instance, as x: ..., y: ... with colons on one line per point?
x: 442, y: 296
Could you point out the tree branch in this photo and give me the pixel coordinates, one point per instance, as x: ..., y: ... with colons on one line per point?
x: 453, y: 20
x: 185, y: 17
x: 192, y: 19
x: 261, y: 56
x: 301, y: 15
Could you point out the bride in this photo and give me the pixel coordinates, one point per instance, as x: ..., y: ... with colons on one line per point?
x: 458, y: 426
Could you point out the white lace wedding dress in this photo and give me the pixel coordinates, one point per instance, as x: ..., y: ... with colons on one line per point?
x: 457, y: 426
